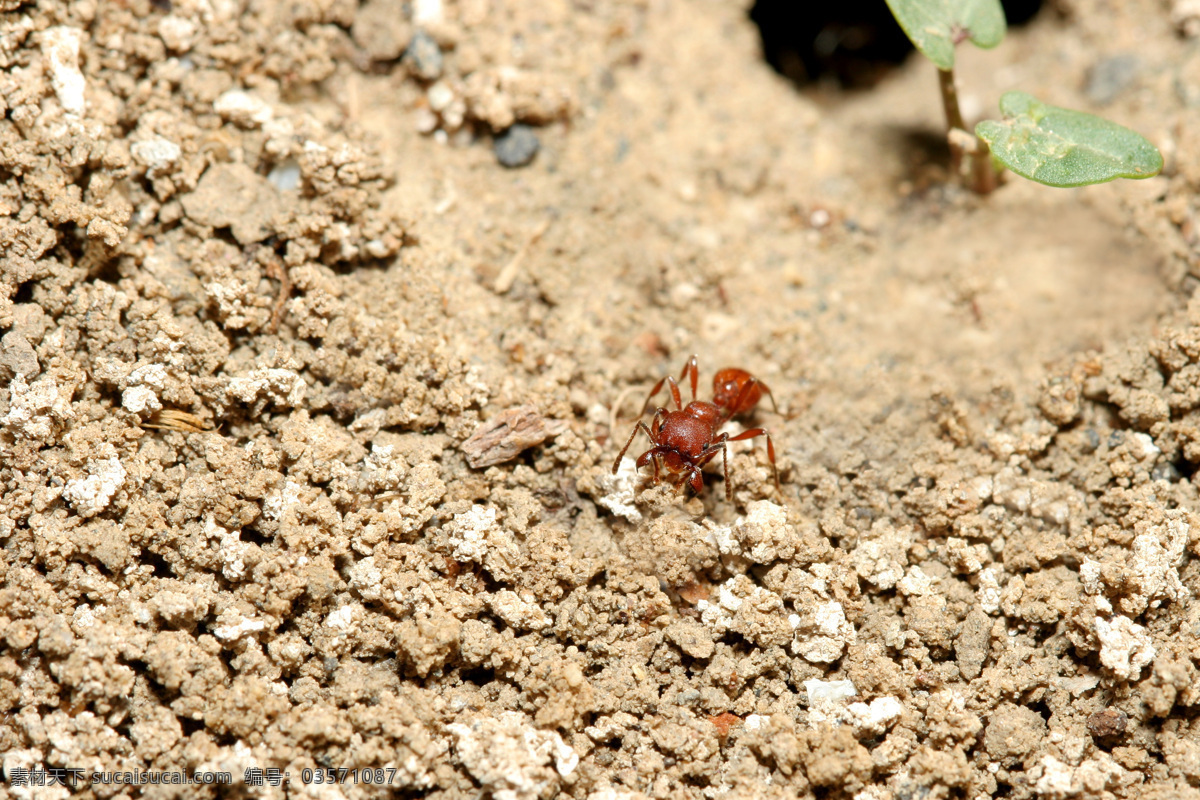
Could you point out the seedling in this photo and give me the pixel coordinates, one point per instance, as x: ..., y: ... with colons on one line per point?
x: 1053, y: 146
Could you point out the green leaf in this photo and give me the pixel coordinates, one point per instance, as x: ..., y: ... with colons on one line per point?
x: 1060, y: 147
x: 936, y: 26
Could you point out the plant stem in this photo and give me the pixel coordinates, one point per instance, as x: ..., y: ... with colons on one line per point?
x: 953, y: 115
x: 983, y: 174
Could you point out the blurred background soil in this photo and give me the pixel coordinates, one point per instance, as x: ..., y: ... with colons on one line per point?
x: 318, y: 316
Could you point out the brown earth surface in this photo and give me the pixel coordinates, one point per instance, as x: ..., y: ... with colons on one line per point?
x: 307, y: 409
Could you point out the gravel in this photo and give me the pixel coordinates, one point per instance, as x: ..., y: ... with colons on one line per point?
x: 517, y: 146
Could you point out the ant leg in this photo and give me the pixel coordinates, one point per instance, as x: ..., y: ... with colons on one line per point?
x: 710, y: 452
x: 653, y: 458
x: 675, y: 395
x: 641, y: 426
x: 725, y: 466
x: 691, y: 367
x: 650, y: 397
x: 767, y: 391
x: 750, y: 434
x: 747, y: 391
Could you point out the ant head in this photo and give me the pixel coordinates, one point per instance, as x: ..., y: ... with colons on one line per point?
x: 730, y: 390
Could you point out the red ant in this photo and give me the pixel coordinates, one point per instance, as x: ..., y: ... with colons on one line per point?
x: 686, y: 439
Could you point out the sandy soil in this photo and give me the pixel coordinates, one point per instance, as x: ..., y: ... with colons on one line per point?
x: 273, y: 313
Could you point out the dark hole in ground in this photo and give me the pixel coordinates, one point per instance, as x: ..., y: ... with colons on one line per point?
x: 850, y: 44
x: 162, y: 567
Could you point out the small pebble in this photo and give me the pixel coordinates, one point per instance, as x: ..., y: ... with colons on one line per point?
x: 517, y: 146
x: 285, y: 176
x: 1111, y: 723
x: 424, y: 56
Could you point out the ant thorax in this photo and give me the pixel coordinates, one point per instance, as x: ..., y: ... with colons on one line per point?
x: 707, y: 413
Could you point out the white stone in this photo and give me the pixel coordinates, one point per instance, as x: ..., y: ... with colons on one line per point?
x: 1089, y: 576
x: 233, y: 626
x: 475, y: 536
x: 139, y: 399
x: 60, y: 48
x: 286, y: 176
x: 505, y: 755
x: 620, y: 497
x: 1146, y: 445
x: 141, y: 389
x: 765, y: 525
x: 91, y: 494
x: 916, y: 583
x: 30, y: 759
x: 874, y: 718
x: 243, y: 108
x: 469, y: 538
x: 342, y: 619
x: 830, y: 618
x: 880, y: 559
x: 367, y: 579
x: 157, y: 154
x: 178, y: 33
x: 1125, y: 646
x: 1059, y: 780
x: 282, y: 386
x: 722, y: 538
x: 33, y: 409
x: 988, y: 592
x: 824, y: 639
x: 518, y: 613
x: 83, y: 617
x: 820, y: 691
x: 232, y: 552
x: 727, y: 598
x: 427, y: 12
x: 440, y: 96
x: 276, y: 503
x: 827, y: 700
x: 875, y: 793
x: 1154, y: 571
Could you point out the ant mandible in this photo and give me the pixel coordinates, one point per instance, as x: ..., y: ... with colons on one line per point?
x: 686, y: 439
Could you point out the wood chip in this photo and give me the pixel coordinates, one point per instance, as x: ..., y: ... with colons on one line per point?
x: 507, y: 434
x: 172, y: 419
